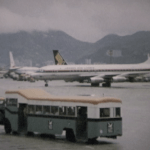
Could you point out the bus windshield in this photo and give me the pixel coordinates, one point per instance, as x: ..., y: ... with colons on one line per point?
x: 110, y: 112
x: 104, y: 112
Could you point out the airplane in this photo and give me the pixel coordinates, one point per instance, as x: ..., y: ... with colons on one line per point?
x: 3, y: 73
x: 59, y: 60
x: 19, y: 72
x: 94, y: 74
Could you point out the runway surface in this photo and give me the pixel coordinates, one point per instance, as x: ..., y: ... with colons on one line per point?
x: 135, y: 114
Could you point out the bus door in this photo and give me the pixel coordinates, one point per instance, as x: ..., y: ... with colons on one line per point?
x: 81, y: 125
x: 22, y: 117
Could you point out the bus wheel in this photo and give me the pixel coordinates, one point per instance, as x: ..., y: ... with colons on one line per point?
x: 15, y: 133
x: 92, y: 141
x: 70, y: 135
x: 7, y: 126
x: 30, y: 134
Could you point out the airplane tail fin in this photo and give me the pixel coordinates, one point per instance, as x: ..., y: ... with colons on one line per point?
x: 58, y: 58
x: 148, y: 59
x: 12, y: 63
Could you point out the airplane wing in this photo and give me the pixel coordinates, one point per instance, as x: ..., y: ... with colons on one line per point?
x: 128, y: 76
x: 103, y: 75
x: 111, y: 77
x: 96, y: 78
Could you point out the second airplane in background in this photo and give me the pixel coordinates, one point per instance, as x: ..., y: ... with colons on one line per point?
x: 19, y: 72
x: 23, y: 73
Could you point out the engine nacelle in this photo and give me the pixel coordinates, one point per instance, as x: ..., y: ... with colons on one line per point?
x: 13, y: 76
x: 119, y: 79
x: 96, y: 80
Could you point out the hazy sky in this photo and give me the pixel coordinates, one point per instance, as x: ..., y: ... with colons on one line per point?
x: 86, y: 20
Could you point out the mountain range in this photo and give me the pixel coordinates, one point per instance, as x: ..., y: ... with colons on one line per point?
x: 35, y: 48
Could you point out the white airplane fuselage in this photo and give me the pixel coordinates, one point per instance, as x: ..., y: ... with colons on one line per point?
x: 81, y: 72
x: 25, y: 70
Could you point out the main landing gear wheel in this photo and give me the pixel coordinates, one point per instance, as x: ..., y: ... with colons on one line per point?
x: 95, y: 84
x: 46, y: 85
x: 30, y: 133
x: 106, y: 84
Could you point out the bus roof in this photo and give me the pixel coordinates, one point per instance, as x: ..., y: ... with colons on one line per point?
x: 2, y: 99
x: 41, y: 95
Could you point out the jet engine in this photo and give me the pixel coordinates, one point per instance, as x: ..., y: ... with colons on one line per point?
x: 14, y: 76
x: 119, y: 79
x: 96, y: 80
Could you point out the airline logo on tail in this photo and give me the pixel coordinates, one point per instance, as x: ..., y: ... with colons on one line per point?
x: 58, y: 58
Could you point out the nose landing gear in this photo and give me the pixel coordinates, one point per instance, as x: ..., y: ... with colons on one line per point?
x: 46, y: 83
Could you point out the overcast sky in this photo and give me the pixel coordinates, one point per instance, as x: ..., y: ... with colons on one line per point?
x: 86, y: 20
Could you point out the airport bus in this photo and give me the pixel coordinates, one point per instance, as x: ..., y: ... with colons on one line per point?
x: 2, y: 110
x: 82, y: 118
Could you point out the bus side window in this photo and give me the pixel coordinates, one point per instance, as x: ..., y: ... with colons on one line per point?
x: 54, y: 110
x: 118, y: 113
x: 104, y: 112
x: 38, y: 110
x: 71, y: 111
x: 11, y: 102
x: 46, y: 110
x: 31, y: 109
x: 62, y: 110
x: 1, y: 102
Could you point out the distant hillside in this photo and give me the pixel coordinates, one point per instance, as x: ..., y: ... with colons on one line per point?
x: 37, y: 47
x: 124, y: 49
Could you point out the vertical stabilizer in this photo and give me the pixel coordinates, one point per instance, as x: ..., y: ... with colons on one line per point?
x: 58, y: 58
x: 148, y: 59
x: 12, y: 63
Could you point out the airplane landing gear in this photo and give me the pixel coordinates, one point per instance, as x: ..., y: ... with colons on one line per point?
x: 106, y: 84
x: 46, y: 83
x: 94, y: 84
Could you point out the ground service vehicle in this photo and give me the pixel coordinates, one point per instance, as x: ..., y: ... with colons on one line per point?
x: 83, y: 118
x: 2, y: 110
